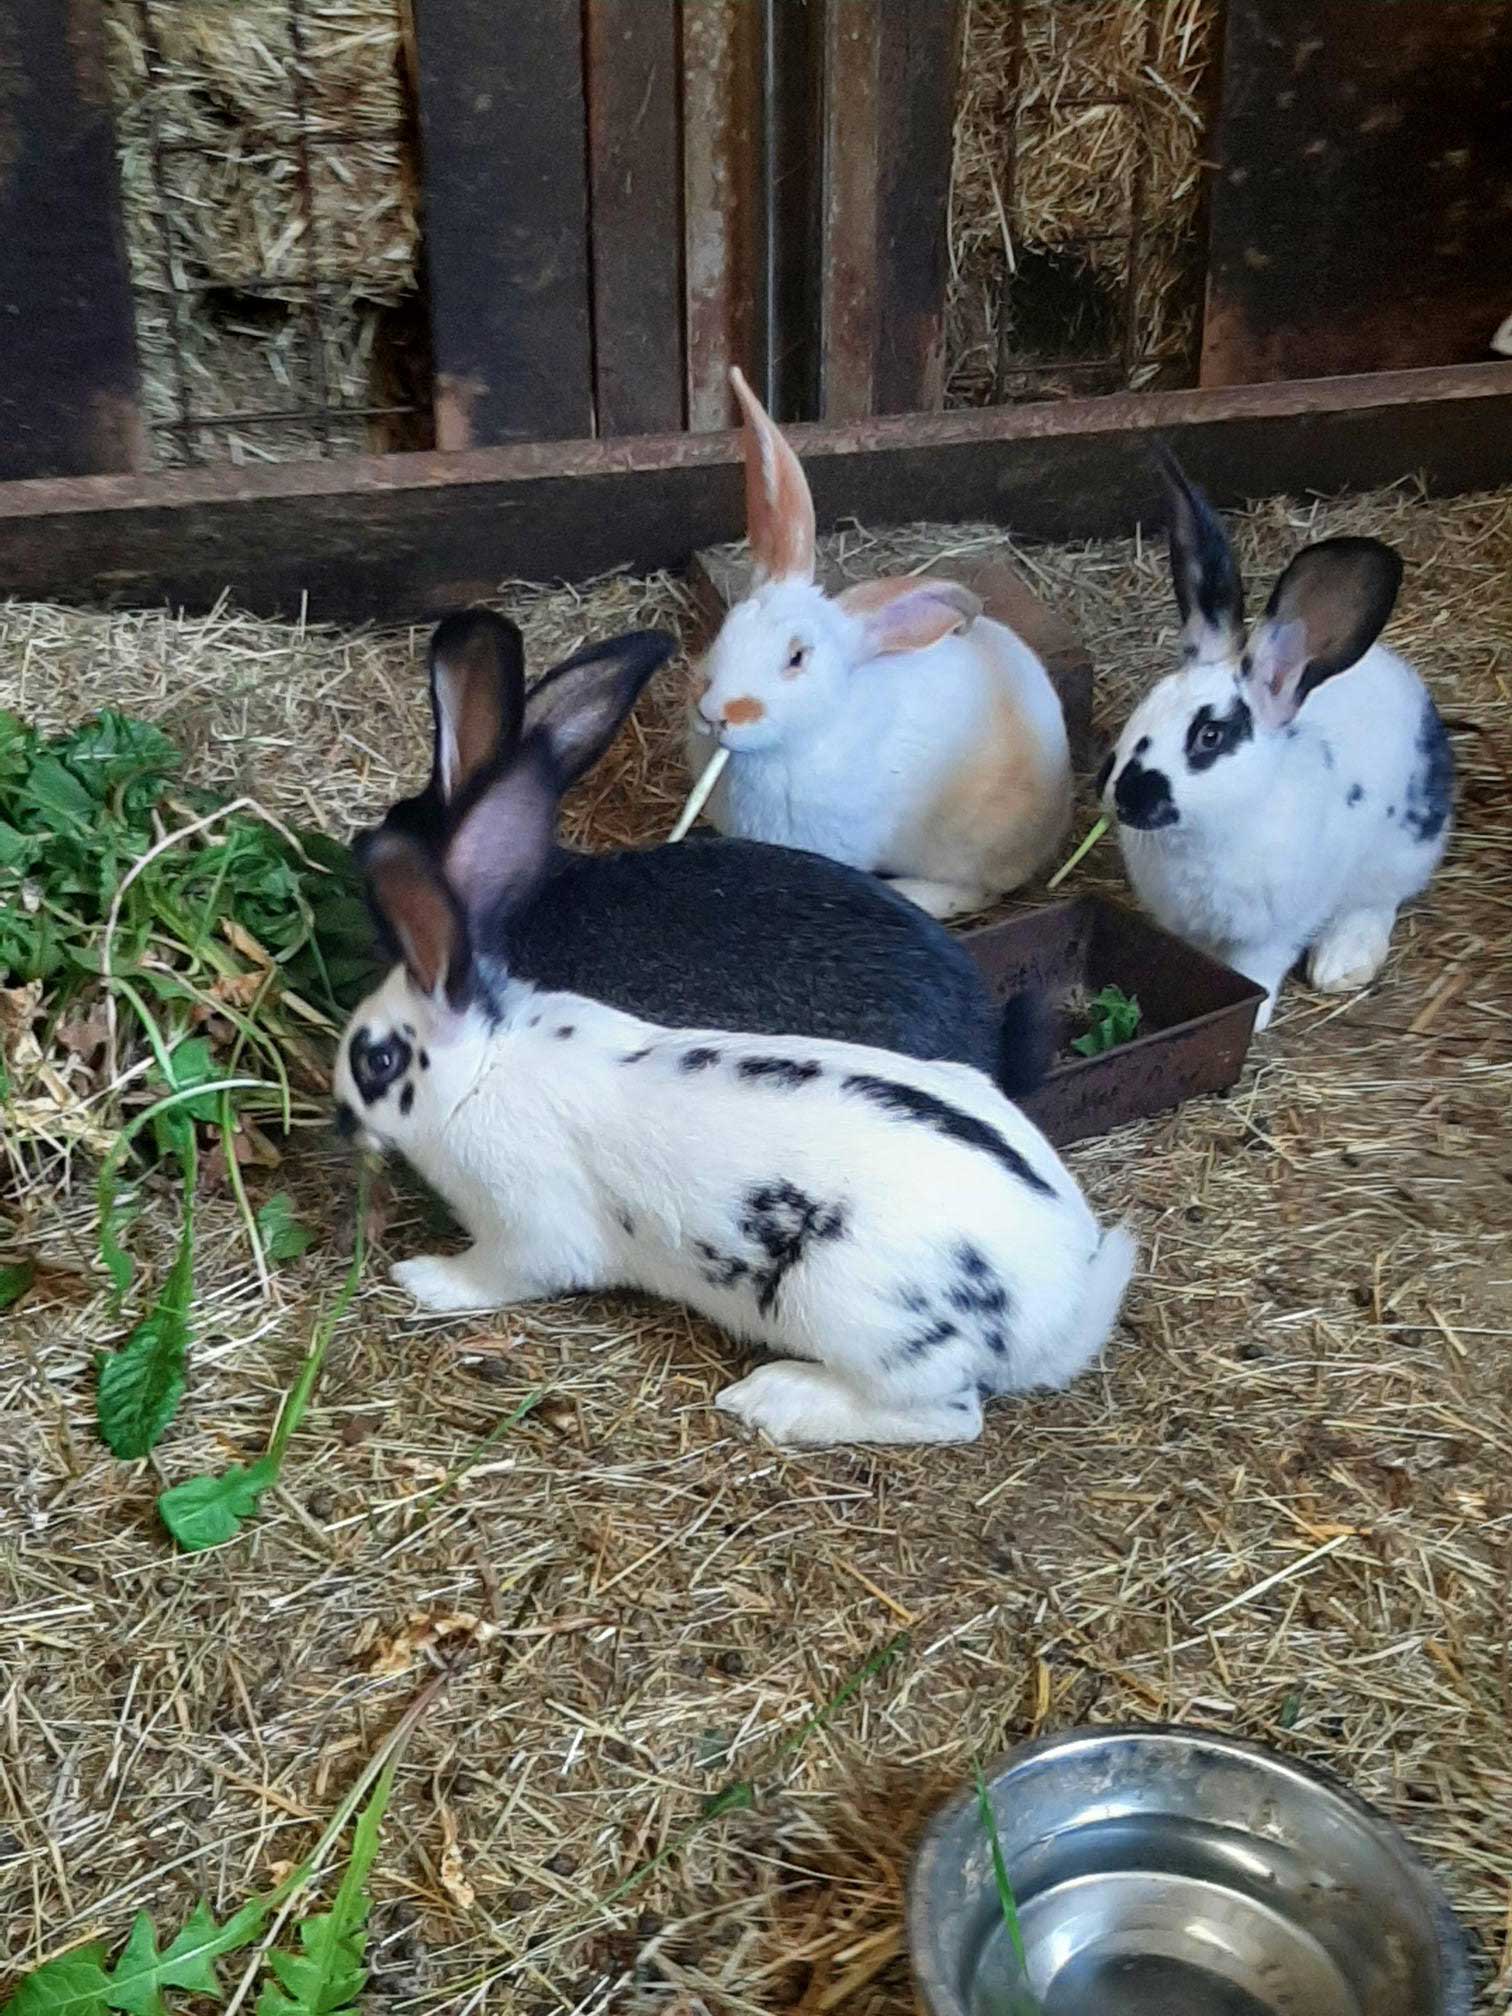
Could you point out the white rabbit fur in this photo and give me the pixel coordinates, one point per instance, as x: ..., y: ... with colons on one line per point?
x: 892, y: 727
x: 897, y: 1226
x: 1288, y: 796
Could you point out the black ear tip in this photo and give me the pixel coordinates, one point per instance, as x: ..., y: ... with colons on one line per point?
x: 470, y: 630
x: 650, y: 647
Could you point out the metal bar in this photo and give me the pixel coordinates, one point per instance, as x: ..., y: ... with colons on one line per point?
x: 314, y: 325
x: 164, y: 211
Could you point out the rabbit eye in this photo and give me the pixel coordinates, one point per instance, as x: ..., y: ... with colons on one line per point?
x: 1209, y: 735
x: 377, y: 1061
x: 797, y: 653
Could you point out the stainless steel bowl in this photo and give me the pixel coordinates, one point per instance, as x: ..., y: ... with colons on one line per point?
x: 1168, y: 1872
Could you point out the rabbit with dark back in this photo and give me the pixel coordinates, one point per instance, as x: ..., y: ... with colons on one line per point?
x: 710, y: 933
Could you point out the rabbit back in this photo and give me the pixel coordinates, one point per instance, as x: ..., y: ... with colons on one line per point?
x: 718, y: 933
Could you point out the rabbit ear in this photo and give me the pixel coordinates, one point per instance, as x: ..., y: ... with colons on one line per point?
x: 779, y: 509
x: 581, y: 705
x: 1209, y: 592
x: 1324, y: 614
x: 477, y: 672
x: 418, y: 912
x: 502, y: 844
x: 910, y: 614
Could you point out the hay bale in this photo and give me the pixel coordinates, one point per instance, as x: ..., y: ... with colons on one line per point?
x: 1072, y: 122
x: 218, y: 109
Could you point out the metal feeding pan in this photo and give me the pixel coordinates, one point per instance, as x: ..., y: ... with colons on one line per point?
x: 1168, y: 1872
x: 1198, y: 1015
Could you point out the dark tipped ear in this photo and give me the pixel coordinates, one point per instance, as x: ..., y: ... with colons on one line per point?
x: 502, y: 844
x: 417, y: 912
x: 1324, y: 614
x: 581, y: 705
x: 477, y: 673
x: 1209, y: 592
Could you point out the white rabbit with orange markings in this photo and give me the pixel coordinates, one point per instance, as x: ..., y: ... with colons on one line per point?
x: 893, y: 726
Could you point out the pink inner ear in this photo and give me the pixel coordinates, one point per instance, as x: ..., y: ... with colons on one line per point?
x: 909, y: 614
x: 779, y: 509
x: 1278, y: 658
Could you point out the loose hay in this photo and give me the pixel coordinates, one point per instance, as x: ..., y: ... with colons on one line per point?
x: 216, y: 106
x: 1282, y: 1509
x: 1076, y: 178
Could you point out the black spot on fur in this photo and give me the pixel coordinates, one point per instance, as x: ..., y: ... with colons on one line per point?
x: 914, y: 1300
x: 626, y: 1222
x: 347, y: 1122
x: 1142, y: 798
x: 409, y: 1029
x: 535, y: 1021
x: 1356, y: 794
x: 941, y: 1331
x: 1211, y: 736
x: 425, y: 1060
x: 377, y: 1063
x: 721, y: 1270
x: 978, y: 1288
x: 635, y: 1056
x: 1104, y: 772
x: 406, y: 1100
x: 909, y: 1103
x: 784, y: 1221
x: 1430, y: 791
x: 787, y: 1072
x: 1328, y: 755
x: 699, y: 1059
x: 1141, y: 745
x: 567, y: 1029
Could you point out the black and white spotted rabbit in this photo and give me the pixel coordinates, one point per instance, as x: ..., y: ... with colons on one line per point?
x: 896, y: 1230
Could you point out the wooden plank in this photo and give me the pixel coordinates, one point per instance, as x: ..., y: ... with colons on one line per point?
x: 1362, y: 213
x: 502, y: 124
x: 920, y: 63
x: 890, y: 70
x: 635, y: 194
x: 397, y: 538
x: 725, y: 251
x: 720, y: 575
x: 68, y: 371
x: 848, y: 262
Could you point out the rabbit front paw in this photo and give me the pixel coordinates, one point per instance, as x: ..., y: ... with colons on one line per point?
x: 439, y: 1283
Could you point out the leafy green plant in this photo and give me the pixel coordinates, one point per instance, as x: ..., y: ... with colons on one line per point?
x: 218, y: 939
x: 15, y: 1280
x: 208, y: 1511
x: 323, y: 1975
x: 1113, y: 1018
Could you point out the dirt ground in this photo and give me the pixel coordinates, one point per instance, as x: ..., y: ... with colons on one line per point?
x: 1282, y: 1508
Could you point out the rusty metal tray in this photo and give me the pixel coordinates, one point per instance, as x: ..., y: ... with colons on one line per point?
x: 1199, y: 1015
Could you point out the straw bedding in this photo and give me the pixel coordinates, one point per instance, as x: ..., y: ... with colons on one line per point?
x: 1281, y: 1508
x: 1074, y: 123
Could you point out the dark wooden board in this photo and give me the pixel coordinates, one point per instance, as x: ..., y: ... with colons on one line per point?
x: 1361, y: 211
x: 920, y: 61
x: 720, y: 576
x: 635, y: 190
x: 723, y: 51
x: 503, y: 131
x: 890, y: 71
x: 402, y: 537
x: 68, y: 369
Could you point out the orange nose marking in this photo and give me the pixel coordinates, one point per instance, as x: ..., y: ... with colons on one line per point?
x: 740, y: 713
